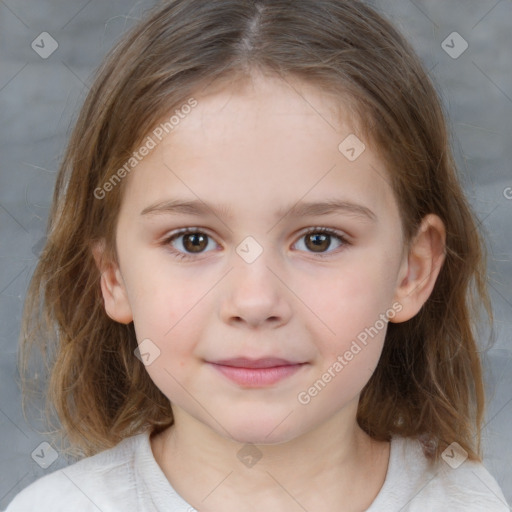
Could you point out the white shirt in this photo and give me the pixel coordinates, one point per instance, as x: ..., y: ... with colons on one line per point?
x: 127, y: 478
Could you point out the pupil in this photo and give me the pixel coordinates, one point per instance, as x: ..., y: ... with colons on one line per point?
x: 319, y: 241
x: 193, y: 242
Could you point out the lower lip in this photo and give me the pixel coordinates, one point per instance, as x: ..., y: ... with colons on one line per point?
x: 257, y: 377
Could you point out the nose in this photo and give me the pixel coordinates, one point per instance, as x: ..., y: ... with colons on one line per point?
x: 254, y: 296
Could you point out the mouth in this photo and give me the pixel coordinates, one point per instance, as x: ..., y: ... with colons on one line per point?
x: 253, y: 373
x: 266, y: 362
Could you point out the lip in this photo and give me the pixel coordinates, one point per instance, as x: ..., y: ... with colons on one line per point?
x: 254, y: 373
x: 264, y: 362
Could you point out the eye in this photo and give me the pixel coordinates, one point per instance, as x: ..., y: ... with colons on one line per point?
x: 319, y: 239
x: 189, y: 242
x: 192, y: 241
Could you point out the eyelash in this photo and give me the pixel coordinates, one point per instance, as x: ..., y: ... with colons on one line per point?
x: 181, y: 255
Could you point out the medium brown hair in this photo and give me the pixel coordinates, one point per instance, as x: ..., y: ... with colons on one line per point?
x: 428, y: 383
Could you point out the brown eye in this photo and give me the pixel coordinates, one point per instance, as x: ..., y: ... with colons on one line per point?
x: 318, y: 242
x: 186, y: 243
x: 195, y: 242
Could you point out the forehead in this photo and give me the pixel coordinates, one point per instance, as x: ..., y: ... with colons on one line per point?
x: 267, y: 142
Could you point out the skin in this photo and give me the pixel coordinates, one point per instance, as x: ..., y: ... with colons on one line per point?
x: 257, y: 149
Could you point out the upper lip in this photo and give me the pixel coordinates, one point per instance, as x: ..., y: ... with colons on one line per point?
x: 266, y: 362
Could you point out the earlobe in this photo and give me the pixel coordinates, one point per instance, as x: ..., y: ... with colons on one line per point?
x: 421, y: 267
x: 113, y: 288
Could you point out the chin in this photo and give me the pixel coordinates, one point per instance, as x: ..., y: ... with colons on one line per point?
x: 270, y: 431
x: 260, y: 438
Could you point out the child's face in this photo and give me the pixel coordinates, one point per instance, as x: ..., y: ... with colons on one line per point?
x: 258, y: 152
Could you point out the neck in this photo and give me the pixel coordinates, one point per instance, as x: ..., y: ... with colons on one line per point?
x: 337, y: 463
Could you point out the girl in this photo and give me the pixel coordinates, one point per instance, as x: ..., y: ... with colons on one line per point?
x: 256, y: 284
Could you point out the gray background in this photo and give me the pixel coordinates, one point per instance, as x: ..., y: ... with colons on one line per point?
x: 39, y: 99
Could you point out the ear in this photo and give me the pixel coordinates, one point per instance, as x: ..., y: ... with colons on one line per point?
x: 420, y: 268
x: 117, y: 305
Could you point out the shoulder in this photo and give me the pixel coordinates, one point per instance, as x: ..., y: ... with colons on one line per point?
x: 469, y: 487
x: 104, y: 481
x: 418, y: 485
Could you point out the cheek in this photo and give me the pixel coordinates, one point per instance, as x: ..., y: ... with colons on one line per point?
x: 167, y: 309
x: 348, y: 313
x: 173, y: 320
x: 349, y: 340
x: 351, y: 298
x: 160, y: 295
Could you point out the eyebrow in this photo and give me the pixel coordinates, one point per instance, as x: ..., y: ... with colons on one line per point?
x: 300, y: 209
